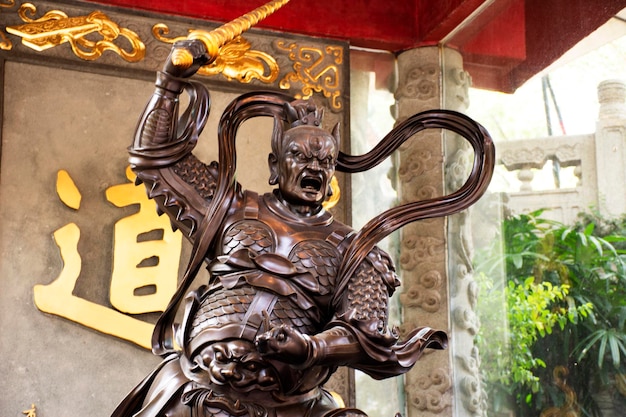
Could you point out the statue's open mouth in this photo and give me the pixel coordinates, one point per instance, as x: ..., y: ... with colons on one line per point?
x: 311, y: 184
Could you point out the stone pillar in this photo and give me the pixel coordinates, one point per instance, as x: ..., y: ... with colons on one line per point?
x: 443, y: 383
x: 611, y: 148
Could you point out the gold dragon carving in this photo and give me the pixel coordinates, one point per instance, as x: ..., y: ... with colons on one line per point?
x: 56, y: 27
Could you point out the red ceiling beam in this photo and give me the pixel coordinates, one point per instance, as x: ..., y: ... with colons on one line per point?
x: 507, y: 46
x: 438, y: 18
x: 394, y: 25
x: 555, y: 26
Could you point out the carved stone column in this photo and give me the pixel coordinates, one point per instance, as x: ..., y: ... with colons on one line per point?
x: 611, y: 148
x: 443, y: 383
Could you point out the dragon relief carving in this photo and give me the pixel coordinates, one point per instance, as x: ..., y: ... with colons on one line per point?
x: 56, y: 27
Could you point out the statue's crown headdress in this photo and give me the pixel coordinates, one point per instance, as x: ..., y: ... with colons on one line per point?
x: 304, y: 112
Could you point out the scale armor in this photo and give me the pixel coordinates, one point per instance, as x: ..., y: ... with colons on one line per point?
x: 222, y: 307
x: 316, y: 262
x: 201, y: 176
x: 368, y: 294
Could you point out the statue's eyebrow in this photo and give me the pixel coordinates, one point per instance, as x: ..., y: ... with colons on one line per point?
x: 297, y: 147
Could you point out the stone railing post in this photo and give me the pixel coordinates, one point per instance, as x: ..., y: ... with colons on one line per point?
x: 611, y: 148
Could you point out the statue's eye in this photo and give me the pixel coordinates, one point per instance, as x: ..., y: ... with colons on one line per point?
x: 251, y: 366
x: 219, y: 356
x: 328, y: 162
x: 300, y: 157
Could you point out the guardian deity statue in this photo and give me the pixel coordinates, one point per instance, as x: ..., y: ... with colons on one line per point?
x: 293, y: 293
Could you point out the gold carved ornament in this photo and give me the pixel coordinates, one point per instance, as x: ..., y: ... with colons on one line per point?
x: 5, y: 43
x: 315, y: 70
x: 55, y: 28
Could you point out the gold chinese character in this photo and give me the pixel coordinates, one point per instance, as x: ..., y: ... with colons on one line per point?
x: 144, y: 272
x: 142, y: 265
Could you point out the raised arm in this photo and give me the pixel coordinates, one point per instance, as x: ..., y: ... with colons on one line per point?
x: 160, y: 154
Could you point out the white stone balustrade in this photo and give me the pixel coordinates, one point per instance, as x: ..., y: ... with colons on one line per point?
x: 599, y: 162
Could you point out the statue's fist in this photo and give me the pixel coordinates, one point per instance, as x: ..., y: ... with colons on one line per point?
x: 186, y: 58
x: 285, y: 344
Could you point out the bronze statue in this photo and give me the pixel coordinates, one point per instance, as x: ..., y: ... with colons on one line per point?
x: 293, y: 293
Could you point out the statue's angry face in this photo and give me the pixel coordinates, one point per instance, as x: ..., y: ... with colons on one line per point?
x: 305, y: 165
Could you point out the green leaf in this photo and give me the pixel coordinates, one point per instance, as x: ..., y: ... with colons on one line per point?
x: 588, y: 342
x: 518, y: 260
x: 566, y: 233
x: 602, y: 350
x: 597, y: 244
x: 615, y: 356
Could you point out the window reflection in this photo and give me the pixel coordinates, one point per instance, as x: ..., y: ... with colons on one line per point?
x: 551, y: 286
